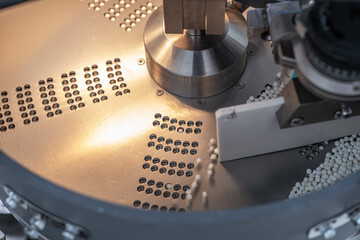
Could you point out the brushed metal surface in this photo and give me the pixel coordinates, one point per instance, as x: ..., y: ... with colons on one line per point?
x: 99, y: 150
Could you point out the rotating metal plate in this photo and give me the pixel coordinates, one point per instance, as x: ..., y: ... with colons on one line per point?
x: 97, y: 145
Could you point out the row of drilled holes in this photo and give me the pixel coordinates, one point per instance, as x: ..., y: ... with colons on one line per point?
x: 154, y: 207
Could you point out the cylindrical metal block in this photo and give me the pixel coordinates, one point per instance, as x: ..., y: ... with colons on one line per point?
x: 196, y: 65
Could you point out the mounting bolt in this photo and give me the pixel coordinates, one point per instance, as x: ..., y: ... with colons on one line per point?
x: 31, y: 233
x: 337, y: 115
x: 240, y: 85
x: 159, y: 92
x: 70, y: 232
x: 329, y: 233
x: 201, y: 102
x: 12, y: 200
x: 251, y: 52
x: 345, y: 112
x: 37, y: 222
x: 141, y: 61
x: 296, y: 122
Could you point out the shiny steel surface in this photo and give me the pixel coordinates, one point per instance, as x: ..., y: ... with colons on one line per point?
x: 99, y: 150
x: 196, y: 66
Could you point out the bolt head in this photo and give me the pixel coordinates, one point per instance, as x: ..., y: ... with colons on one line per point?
x: 201, y: 102
x: 31, y: 233
x: 10, y: 201
x: 330, y: 233
x: 38, y: 222
x: 159, y: 92
x: 68, y: 235
x: 240, y: 85
x: 296, y: 122
x: 141, y: 61
x: 251, y: 52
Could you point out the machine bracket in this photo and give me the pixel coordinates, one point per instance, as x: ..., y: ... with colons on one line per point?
x: 39, y: 223
x: 342, y: 226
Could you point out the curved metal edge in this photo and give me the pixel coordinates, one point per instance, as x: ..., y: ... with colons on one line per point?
x: 8, y: 3
x: 280, y: 220
x: 320, y: 84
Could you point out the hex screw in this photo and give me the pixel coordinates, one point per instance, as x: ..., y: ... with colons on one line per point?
x: 31, y: 233
x: 159, y: 92
x: 12, y: 200
x: 296, y: 122
x: 240, y: 85
x: 201, y: 102
x: 38, y: 223
x: 141, y: 61
x: 70, y: 232
x: 251, y: 52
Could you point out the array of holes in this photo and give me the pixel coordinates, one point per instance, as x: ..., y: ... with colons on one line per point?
x: 72, y: 94
x: 130, y: 22
x: 48, y: 96
x: 5, y: 114
x: 175, y: 125
x: 94, y: 85
x: 116, y: 78
x: 154, y: 207
x: 115, y: 11
x: 118, y: 8
x: 96, y: 4
x: 158, y: 188
x: 172, y: 145
x: 170, y: 167
x: 26, y: 107
x: 70, y: 88
x: 180, y: 126
x: 311, y: 151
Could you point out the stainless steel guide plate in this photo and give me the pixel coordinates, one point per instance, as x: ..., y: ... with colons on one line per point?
x: 100, y: 147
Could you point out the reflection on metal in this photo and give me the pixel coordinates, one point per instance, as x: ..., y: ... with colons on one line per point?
x: 99, y: 150
x: 122, y: 127
x: 194, y: 64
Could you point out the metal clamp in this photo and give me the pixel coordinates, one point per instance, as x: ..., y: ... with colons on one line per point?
x: 342, y: 226
x: 39, y: 223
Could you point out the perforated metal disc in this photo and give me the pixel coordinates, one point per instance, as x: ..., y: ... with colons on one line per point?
x: 79, y: 109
